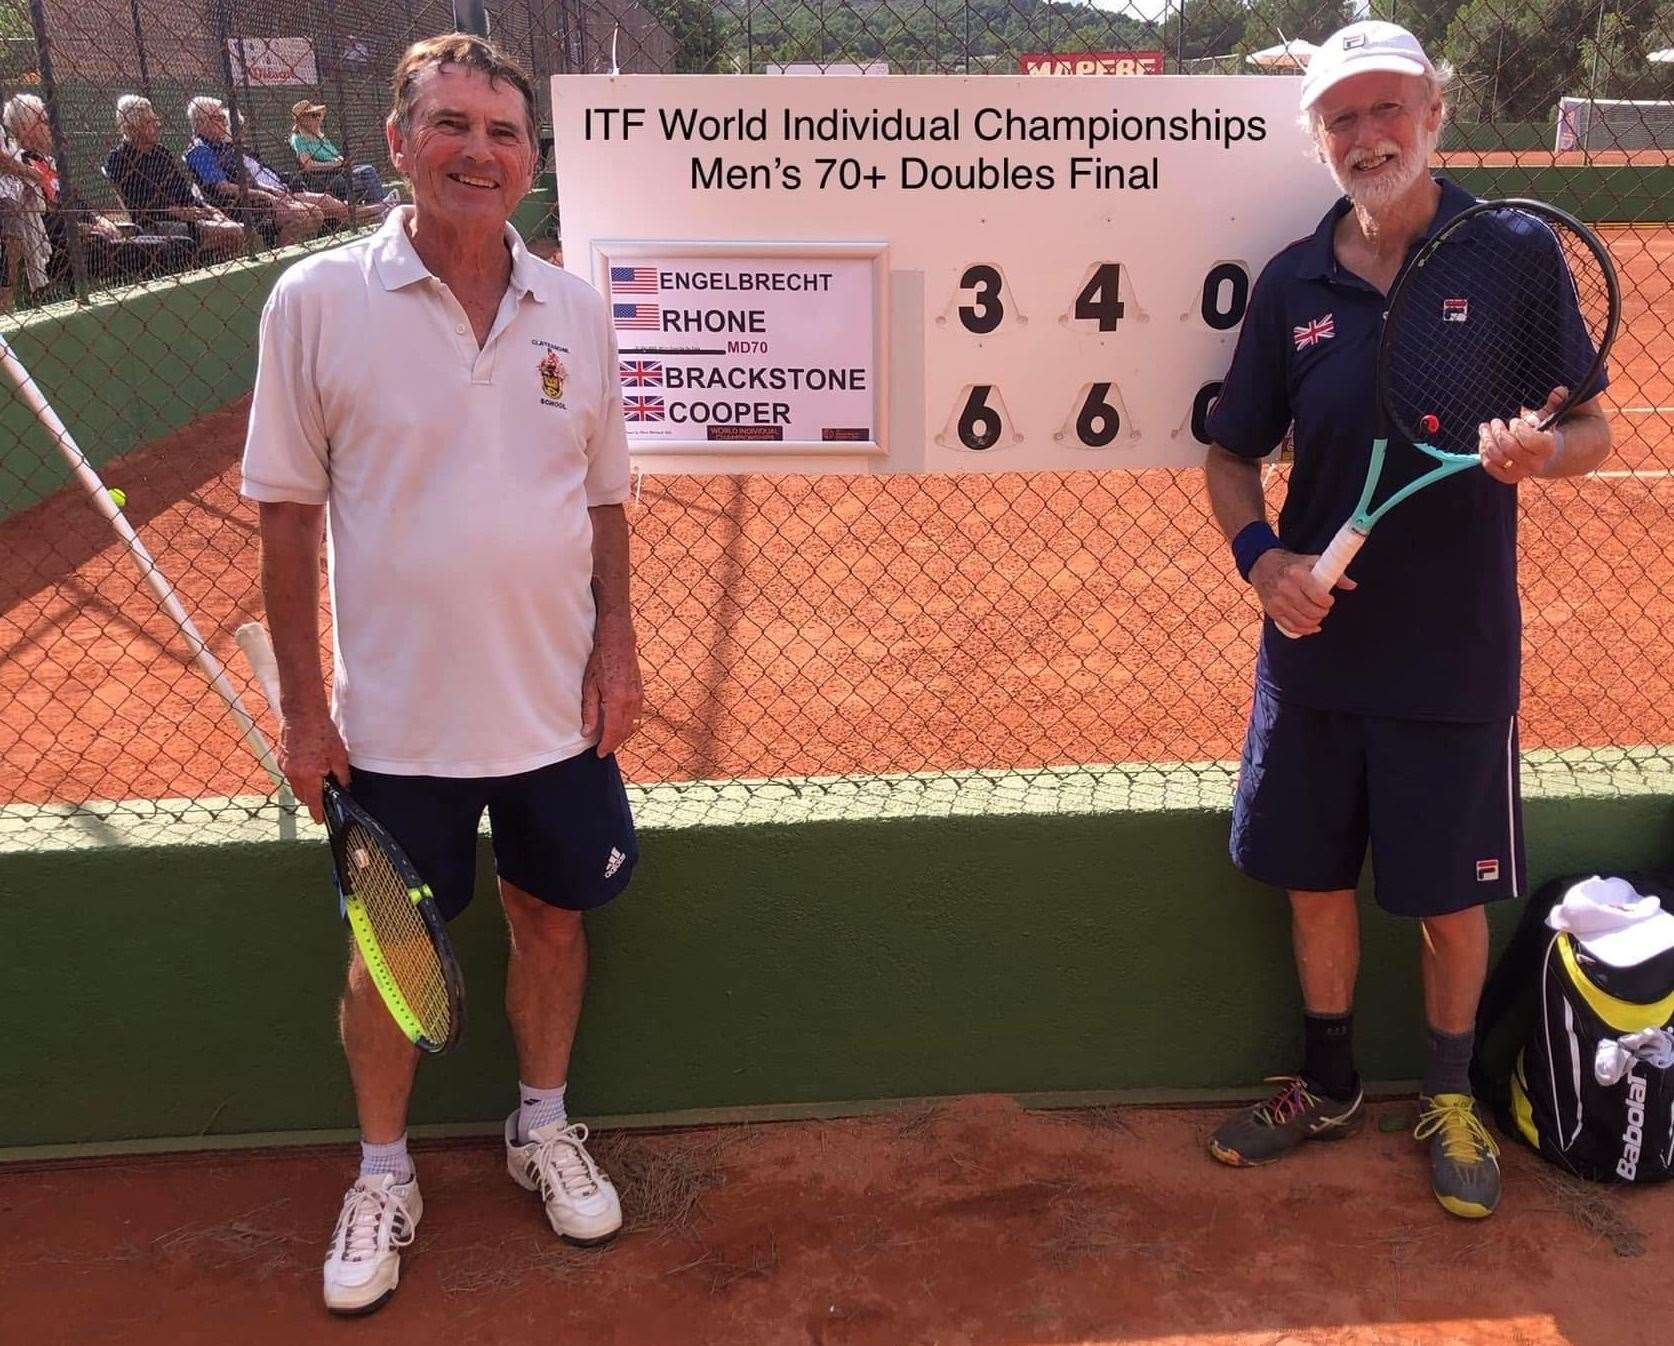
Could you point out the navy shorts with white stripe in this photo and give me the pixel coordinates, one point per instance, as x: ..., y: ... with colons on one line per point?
x: 1437, y: 802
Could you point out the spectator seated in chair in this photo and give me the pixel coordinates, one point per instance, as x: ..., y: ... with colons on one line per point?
x: 155, y: 190
x: 23, y: 242
x: 323, y: 163
x: 109, y: 252
x: 215, y: 162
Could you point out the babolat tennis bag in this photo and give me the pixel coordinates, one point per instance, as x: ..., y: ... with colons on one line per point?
x: 1576, y: 1050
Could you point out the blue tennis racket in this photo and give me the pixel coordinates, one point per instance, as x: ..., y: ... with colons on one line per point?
x: 1508, y: 302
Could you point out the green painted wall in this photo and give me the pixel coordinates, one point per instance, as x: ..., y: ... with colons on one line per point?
x: 188, y: 991
x: 140, y: 361
x: 1627, y: 194
x: 133, y: 364
x: 1460, y: 135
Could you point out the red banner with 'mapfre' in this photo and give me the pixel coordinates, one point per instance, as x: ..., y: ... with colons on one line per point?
x: 1091, y: 62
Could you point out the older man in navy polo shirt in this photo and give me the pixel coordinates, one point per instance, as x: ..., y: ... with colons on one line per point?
x: 1391, y: 723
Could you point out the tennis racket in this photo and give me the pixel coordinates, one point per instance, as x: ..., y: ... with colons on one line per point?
x: 1510, y: 300
x: 402, y: 937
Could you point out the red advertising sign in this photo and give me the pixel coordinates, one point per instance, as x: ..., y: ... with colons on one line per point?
x: 1091, y: 62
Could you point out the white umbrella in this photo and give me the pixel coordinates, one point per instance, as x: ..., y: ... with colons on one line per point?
x: 1294, y: 54
x: 1663, y: 57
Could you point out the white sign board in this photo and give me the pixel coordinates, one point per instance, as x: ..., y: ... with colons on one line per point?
x: 1068, y: 261
x: 729, y: 344
x: 266, y: 61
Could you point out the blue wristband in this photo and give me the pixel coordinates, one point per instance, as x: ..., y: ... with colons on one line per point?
x: 1253, y: 541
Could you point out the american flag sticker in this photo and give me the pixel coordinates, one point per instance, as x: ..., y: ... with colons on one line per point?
x: 1456, y: 310
x: 640, y: 407
x: 642, y: 373
x: 633, y: 280
x: 1487, y: 871
x: 1312, y: 333
x: 636, y: 317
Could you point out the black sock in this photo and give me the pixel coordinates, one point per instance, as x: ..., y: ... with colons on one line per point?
x: 1449, y: 1071
x: 1328, y: 1059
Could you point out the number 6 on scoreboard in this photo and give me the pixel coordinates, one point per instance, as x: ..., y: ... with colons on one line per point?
x: 979, y: 420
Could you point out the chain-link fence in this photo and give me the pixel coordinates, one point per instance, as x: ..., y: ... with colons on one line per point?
x: 917, y: 642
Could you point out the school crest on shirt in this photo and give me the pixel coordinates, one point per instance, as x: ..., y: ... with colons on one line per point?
x: 553, y: 376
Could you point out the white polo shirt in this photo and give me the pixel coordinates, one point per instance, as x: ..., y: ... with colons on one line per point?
x: 457, y: 483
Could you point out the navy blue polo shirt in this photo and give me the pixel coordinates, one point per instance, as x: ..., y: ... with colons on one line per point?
x: 1434, y: 630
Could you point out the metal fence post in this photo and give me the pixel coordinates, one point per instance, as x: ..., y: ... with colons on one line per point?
x: 470, y: 16
x: 139, y: 46
x: 60, y: 145
x: 337, y: 83
x: 223, y: 24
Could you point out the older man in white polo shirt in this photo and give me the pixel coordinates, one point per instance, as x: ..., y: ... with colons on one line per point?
x: 453, y: 405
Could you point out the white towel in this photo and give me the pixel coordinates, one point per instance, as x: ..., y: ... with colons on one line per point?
x: 1654, y: 1046
x: 1613, y: 921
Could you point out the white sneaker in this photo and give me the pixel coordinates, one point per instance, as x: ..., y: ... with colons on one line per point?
x: 581, y: 1202
x: 378, y: 1219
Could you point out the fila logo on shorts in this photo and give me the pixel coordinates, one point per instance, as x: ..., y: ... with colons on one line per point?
x: 1487, y: 871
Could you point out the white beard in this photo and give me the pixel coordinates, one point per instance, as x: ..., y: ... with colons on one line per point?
x: 1392, y: 183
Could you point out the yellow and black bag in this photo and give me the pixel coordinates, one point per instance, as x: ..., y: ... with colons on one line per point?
x: 1575, y: 1055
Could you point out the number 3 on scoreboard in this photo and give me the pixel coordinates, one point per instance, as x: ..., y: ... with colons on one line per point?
x: 986, y: 309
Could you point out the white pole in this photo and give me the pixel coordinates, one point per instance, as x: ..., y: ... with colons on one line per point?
x: 154, y: 578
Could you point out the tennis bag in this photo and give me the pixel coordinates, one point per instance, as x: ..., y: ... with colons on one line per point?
x: 1576, y: 1056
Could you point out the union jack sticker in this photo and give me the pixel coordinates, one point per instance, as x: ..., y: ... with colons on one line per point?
x: 1313, y: 332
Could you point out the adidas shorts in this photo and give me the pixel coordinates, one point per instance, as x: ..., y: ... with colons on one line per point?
x: 1436, y: 801
x: 562, y: 833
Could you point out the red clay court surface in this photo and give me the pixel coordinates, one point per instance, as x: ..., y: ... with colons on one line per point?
x: 825, y: 626
x: 972, y: 1224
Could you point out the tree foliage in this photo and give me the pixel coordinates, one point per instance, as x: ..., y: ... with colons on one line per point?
x: 1515, y: 58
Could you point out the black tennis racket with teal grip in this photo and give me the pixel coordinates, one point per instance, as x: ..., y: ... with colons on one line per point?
x: 1509, y: 301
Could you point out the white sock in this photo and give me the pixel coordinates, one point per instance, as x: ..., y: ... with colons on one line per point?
x: 390, y: 1158
x: 538, y: 1107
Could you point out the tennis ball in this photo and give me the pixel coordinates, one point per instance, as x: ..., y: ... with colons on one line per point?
x: 118, y: 496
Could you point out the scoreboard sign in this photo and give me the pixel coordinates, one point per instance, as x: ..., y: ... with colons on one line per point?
x: 726, y: 344
x: 927, y: 273
x: 1090, y: 63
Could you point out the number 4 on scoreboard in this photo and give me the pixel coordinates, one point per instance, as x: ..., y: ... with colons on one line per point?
x: 1100, y: 301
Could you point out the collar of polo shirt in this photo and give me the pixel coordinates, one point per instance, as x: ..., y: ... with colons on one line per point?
x: 1320, y: 260
x: 398, y: 263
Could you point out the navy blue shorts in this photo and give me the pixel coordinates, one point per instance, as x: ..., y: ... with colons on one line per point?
x: 1437, y: 801
x: 562, y: 833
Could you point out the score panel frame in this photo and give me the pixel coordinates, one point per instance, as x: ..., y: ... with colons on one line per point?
x: 795, y: 455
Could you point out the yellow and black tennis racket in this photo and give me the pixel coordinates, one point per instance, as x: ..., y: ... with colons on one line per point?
x: 402, y: 937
